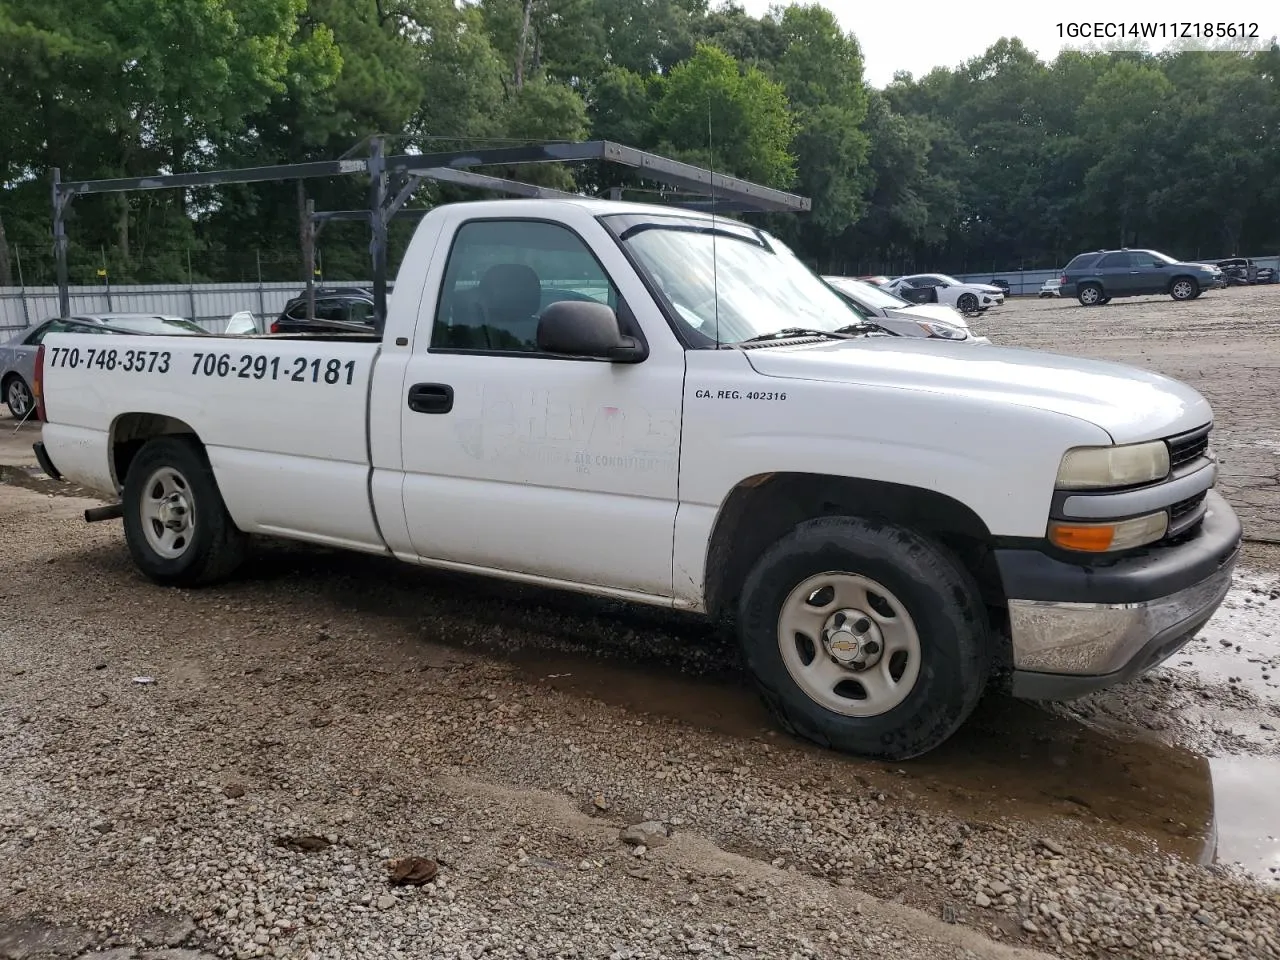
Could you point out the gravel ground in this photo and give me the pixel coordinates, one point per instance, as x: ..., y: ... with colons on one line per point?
x: 311, y: 725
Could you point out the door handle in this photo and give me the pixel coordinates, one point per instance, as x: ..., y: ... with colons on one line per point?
x: 431, y: 398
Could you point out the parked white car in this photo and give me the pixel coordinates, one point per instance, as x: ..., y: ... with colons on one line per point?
x: 1051, y: 287
x: 940, y: 288
x: 900, y: 318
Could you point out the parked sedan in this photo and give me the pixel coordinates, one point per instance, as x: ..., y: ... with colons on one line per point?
x: 18, y: 355
x: 940, y: 288
x: 897, y: 316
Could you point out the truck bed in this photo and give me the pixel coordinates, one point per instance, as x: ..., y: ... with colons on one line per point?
x: 284, y: 420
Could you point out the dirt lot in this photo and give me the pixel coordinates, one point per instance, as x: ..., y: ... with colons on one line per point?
x: 328, y: 714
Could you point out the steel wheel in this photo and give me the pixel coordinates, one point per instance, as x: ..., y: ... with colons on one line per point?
x: 19, y: 398
x: 168, y: 513
x: 849, y: 644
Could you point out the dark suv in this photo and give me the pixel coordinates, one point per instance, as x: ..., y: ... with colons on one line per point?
x: 338, y: 310
x: 1094, y: 278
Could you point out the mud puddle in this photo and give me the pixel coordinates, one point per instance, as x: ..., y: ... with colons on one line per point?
x: 1246, y: 792
x: 1011, y: 760
x: 1240, y: 646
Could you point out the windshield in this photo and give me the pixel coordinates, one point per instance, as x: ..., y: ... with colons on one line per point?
x: 171, y: 326
x: 869, y: 294
x: 747, y: 290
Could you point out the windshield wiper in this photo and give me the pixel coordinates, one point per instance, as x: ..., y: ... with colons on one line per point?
x: 865, y: 327
x: 788, y: 332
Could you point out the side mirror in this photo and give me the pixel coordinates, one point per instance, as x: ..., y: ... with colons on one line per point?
x: 580, y: 328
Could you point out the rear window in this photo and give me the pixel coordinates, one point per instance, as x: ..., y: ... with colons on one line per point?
x: 164, y: 326
x: 1082, y: 261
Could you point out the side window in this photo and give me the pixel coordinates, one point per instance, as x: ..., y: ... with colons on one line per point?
x: 921, y: 282
x: 298, y: 311
x: 1113, y: 261
x: 331, y: 310
x: 361, y: 311
x: 500, y: 276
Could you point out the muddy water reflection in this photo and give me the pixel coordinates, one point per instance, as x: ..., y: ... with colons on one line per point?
x: 1247, y: 813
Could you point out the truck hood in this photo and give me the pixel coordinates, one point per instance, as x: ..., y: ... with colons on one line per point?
x: 1129, y: 403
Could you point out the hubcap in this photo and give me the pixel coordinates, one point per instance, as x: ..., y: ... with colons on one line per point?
x: 849, y: 644
x: 1182, y: 289
x: 168, y: 513
x: 18, y: 398
x: 1090, y: 295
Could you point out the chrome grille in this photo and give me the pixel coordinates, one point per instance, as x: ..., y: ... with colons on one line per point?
x: 1188, y: 447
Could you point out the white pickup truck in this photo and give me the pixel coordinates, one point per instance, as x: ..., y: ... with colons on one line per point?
x: 659, y: 406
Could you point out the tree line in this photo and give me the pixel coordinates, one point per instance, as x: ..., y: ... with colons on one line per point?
x: 1000, y: 162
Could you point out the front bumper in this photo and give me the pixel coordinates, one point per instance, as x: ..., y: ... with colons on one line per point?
x: 1078, y: 629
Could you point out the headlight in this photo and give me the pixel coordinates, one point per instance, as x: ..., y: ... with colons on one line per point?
x: 1108, y: 537
x: 943, y: 331
x: 1090, y: 468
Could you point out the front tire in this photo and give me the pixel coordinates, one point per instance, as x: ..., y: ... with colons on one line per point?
x: 1184, y: 288
x: 968, y: 303
x: 865, y: 637
x: 1090, y: 295
x: 18, y: 397
x: 175, y: 521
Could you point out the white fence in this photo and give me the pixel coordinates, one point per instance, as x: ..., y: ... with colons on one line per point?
x: 209, y: 304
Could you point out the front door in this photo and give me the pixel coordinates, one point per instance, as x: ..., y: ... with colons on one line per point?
x: 1119, y: 276
x: 521, y: 461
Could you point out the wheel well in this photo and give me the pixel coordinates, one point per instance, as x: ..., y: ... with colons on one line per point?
x: 130, y: 433
x: 764, y: 508
x: 9, y: 378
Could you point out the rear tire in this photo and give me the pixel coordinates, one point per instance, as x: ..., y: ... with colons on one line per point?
x: 810, y: 604
x: 175, y: 521
x: 1089, y: 295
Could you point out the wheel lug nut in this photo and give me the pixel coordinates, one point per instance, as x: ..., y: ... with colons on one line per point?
x: 871, y: 647
x: 862, y: 626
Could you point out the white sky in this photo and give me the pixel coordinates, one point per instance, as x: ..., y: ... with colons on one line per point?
x: 918, y: 35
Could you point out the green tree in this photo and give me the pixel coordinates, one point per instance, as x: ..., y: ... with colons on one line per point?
x: 709, y: 107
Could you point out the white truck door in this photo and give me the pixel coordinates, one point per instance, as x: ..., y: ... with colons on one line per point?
x: 520, y: 461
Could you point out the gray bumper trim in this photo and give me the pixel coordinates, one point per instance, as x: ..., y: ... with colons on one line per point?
x: 1088, y: 646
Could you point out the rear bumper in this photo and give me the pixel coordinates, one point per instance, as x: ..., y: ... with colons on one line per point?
x: 42, y: 458
x: 1076, y: 630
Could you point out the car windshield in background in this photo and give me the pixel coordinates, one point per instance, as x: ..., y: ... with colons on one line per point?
x: 870, y: 294
x: 167, y: 326
x: 729, y: 284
